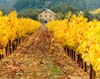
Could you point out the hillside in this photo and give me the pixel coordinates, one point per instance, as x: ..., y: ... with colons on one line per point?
x: 21, y: 4
x: 84, y: 4
x: 31, y: 8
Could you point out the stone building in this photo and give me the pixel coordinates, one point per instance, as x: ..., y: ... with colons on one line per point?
x: 47, y: 15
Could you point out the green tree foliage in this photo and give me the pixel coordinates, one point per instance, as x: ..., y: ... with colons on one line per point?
x: 60, y: 7
x: 29, y: 13
x: 81, y: 4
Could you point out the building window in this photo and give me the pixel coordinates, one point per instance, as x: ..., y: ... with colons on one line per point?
x: 45, y: 15
x: 40, y: 15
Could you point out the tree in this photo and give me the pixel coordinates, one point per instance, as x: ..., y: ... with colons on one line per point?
x: 29, y: 13
x: 21, y: 4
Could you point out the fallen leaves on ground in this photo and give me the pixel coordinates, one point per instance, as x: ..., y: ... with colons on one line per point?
x: 39, y: 58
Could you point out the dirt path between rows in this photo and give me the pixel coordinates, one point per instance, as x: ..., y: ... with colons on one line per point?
x: 39, y: 58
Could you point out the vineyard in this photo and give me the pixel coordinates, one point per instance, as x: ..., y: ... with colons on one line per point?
x: 12, y: 29
x: 81, y: 37
x: 56, y: 50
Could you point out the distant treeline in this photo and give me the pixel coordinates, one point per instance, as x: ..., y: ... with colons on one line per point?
x: 31, y: 8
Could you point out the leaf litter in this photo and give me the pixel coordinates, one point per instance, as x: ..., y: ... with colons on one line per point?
x: 40, y: 58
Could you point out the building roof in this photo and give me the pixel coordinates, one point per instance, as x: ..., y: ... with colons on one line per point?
x: 49, y: 11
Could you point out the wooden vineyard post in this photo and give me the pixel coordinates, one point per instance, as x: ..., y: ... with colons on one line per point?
x: 85, y: 67
x: 92, y: 73
x: 13, y: 45
x: 65, y: 49
x: 81, y: 62
x: 17, y: 42
x: 6, y: 48
x: 68, y: 51
x: 10, y: 47
x: 74, y: 56
x: 0, y: 57
x: 78, y: 58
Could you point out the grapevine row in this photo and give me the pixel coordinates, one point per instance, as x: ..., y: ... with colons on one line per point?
x: 12, y: 29
x: 81, y: 35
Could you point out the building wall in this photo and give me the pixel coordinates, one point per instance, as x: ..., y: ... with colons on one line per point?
x: 47, y: 16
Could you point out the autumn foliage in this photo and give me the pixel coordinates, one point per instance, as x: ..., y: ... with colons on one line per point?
x: 81, y: 35
x: 12, y: 28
